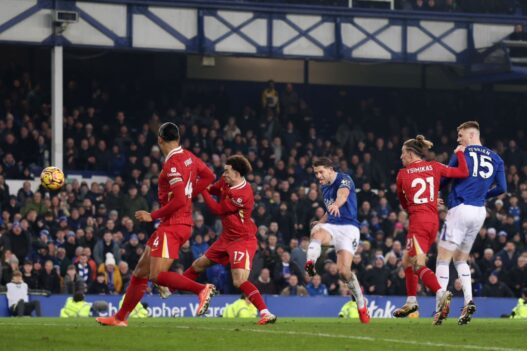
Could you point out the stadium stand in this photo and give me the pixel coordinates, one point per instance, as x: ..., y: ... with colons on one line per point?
x: 281, y: 128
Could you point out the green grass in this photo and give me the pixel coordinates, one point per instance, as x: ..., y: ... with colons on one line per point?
x: 216, y: 334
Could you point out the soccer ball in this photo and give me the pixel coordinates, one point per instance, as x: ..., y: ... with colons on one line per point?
x: 52, y: 178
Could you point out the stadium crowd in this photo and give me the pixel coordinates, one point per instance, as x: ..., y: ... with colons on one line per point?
x: 84, y: 236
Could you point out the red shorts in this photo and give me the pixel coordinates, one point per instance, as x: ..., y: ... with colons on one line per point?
x: 166, y: 240
x: 239, y: 253
x: 420, y: 237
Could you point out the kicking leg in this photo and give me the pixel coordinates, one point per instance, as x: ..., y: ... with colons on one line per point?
x: 319, y: 236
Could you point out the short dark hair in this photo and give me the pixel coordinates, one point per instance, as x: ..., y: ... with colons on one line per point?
x: 323, y: 162
x: 169, y: 131
x: 240, y: 164
x: 468, y: 124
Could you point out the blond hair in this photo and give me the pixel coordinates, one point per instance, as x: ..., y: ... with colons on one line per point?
x: 419, y: 146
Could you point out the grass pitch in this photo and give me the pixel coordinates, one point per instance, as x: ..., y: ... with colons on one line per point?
x: 218, y: 334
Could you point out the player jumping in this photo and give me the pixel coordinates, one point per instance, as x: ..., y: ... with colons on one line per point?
x: 466, y: 214
x: 339, y: 227
x: 418, y: 188
x: 182, y: 174
x: 237, y: 243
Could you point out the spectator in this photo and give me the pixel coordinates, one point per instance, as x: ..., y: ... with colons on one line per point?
x: 293, y: 289
x: 316, y: 288
x: 284, y: 269
x: 376, y: 277
x: 99, y: 286
x: 19, y: 241
x: 18, y: 298
x: 133, y: 202
x: 73, y: 282
x: 270, y: 99
x: 112, y: 276
x: 495, y: 288
x: 518, y: 275
x: 265, y: 284
x: 299, y: 254
x: 105, y: 246
x: 49, y: 278
x: 331, y: 279
x: 198, y: 247
x: 31, y: 279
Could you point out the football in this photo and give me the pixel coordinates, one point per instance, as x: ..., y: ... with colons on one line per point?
x: 52, y: 178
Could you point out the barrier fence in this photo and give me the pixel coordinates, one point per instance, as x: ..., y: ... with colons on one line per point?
x: 283, y: 306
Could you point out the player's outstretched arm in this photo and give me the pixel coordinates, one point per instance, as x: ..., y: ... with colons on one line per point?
x: 461, y: 171
x: 452, y: 163
x: 224, y: 207
x: 501, y: 182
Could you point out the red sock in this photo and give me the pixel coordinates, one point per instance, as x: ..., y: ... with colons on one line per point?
x: 176, y: 281
x: 429, y: 279
x: 134, y: 294
x: 191, y: 274
x: 411, y: 281
x: 253, y: 295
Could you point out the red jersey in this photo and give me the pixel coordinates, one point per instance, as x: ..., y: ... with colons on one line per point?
x: 418, y: 186
x: 235, y: 208
x: 183, y: 175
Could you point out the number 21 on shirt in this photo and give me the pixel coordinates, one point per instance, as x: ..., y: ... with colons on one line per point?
x: 421, y: 185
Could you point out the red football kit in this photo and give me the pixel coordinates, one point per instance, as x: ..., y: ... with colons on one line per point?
x: 237, y: 243
x: 183, y: 175
x: 418, y: 189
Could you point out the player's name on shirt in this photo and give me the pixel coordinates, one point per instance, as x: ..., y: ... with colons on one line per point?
x: 427, y: 168
x: 483, y: 150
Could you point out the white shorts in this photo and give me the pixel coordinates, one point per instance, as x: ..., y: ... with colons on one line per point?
x: 462, y: 226
x: 343, y: 236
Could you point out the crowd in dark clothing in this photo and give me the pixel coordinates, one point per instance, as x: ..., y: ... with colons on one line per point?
x: 85, y: 237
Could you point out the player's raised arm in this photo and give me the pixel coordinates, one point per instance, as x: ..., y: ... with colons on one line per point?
x: 452, y: 163
x: 501, y: 182
x: 461, y: 171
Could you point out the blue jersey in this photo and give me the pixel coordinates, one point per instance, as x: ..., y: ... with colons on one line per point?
x: 348, y: 211
x: 485, y: 168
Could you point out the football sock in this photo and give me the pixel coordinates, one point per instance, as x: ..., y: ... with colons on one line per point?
x: 443, y: 273
x: 313, y: 250
x: 354, y: 286
x: 134, y: 294
x: 176, y: 281
x: 411, y: 280
x: 429, y: 279
x: 253, y: 295
x: 191, y: 274
x: 463, y: 271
